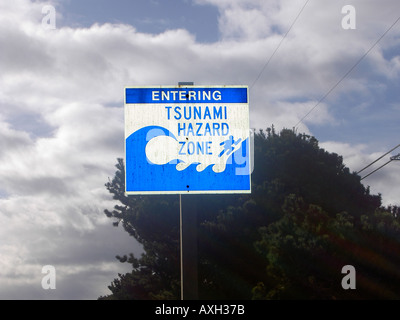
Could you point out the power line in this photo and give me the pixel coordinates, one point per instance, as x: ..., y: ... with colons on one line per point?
x: 377, y: 169
x: 378, y: 159
x: 276, y: 49
x: 347, y: 73
x: 397, y: 157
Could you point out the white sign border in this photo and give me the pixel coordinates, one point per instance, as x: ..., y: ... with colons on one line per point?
x: 177, y: 192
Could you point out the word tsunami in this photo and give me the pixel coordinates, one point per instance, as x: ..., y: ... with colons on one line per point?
x: 200, y: 113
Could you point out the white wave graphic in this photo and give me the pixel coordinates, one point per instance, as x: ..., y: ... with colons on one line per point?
x: 162, y: 149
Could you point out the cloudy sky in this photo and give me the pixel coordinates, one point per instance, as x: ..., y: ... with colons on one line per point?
x: 61, y: 115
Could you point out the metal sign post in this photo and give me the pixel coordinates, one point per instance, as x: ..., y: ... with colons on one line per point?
x: 181, y: 243
x: 188, y: 243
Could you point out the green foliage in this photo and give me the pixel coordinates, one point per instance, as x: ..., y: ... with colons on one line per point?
x: 302, y: 249
x: 306, y: 218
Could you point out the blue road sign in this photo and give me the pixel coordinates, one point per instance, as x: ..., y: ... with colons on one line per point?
x: 187, y: 139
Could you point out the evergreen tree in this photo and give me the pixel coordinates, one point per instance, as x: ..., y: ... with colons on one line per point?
x: 306, y: 218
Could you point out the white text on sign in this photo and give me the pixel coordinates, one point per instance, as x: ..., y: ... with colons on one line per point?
x: 185, y: 95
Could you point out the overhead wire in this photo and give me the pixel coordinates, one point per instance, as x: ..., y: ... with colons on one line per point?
x: 378, y: 159
x: 278, y: 46
x: 347, y: 73
x: 377, y: 169
x: 391, y: 159
x: 335, y: 85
